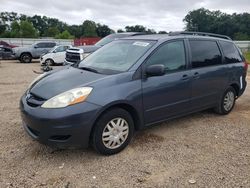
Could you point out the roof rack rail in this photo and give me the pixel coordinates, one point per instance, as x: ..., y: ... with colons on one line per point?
x: 199, y: 33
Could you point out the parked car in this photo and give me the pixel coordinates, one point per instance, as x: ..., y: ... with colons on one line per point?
x: 5, y: 44
x: 77, y: 54
x: 6, y: 53
x: 26, y: 54
x: 131, y: 84
x: 55, y: 56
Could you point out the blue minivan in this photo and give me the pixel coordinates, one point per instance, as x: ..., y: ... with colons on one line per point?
x: 130, y: 84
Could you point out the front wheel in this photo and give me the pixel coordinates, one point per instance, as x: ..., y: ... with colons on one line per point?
x: 113, y: 131
x: 227, y: 102
x: 49, y: 62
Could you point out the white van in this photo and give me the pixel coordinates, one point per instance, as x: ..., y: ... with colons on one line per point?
x: 55, y: 56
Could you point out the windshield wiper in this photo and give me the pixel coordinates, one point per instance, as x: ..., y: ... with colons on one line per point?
x: 88, y: 69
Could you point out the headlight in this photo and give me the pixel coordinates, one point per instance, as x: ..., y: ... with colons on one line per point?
x: 36, y: 79
x: 68, y: 98
x: 84, y: 55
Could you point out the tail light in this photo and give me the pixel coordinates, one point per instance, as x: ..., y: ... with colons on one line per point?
x: 246, y: 66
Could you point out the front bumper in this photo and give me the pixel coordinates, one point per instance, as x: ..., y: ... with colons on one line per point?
x: 42, y: 61
x: 68, y: 127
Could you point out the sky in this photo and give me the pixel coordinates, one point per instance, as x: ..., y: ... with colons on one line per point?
x: 160, y: 15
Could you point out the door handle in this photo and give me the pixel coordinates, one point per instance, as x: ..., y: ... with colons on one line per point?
x: 196, y: 75
x: 185, y: 77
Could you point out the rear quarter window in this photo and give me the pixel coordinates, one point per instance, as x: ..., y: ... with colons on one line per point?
x: 205, y: 53
x: 231, y: 52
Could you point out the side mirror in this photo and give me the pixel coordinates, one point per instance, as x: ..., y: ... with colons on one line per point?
x: 54, y: 51
x: 35, y: 46
x: 155, y: 70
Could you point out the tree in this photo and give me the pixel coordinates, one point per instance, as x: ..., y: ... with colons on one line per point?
x: 15, y: 29
x: 120, y: 31
x: 27, y: 30
x: 103, y: 30
x: 136, y: 28
x: 89, y: 29
x: 162, y: 32
x: 64, y: 35
x: 75, y: 30
x: 241, y: 36
x: 204, y: 20
x: 52, y: 32
x: 2, y: 28
x: 151, y: 31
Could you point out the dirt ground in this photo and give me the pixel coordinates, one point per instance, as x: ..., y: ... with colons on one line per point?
x: 200, y: 150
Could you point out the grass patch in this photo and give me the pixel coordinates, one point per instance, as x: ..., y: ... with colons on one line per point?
x: 247, y: 56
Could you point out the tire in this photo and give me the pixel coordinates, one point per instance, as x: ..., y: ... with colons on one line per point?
x: 108, y: 139
x: 50, y: 62
x: 229, y: 97
x: 26, y: 58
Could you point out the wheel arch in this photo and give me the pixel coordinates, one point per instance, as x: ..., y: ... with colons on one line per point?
x: 26, y: 53
x: 138, y: 122
x: 236, y: 88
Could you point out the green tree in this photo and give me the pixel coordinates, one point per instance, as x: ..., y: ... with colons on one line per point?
x: 204, y: 20
x: 151, y: 31
x: 2, y: 28
x: 120, y: 31
x: 52, y: 32
x: 162, y: 32
x: 75, y: 30
x: 64, y: 35
x: 15, y: 30
x: 27, y: 30
x: 136, y: 28
x: 89, y: 29
x: 103, y: 30
x: 241, y: 36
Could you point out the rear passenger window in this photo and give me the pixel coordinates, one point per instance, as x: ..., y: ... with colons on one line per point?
x: 171, y: 55
x: 50, y: 45
x: 231, y: 53
x: 205, y: 53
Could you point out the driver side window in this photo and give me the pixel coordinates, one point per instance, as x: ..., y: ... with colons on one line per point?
x: 171, y: 55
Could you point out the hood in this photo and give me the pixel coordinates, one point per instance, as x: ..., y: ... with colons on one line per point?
x: 89, y: 48
x: 63, y: 80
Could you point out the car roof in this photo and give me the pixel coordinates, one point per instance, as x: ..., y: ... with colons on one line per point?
x: 129, y: 33
x: 158, y: 37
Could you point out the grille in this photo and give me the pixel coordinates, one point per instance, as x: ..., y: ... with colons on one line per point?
x: 60, y: 137
x: 73, y: 57
x: 34, y: 100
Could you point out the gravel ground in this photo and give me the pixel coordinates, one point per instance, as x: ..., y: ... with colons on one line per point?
x: 200, y: 150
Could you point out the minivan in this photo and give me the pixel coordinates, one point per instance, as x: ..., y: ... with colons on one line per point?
x: 130, y: 84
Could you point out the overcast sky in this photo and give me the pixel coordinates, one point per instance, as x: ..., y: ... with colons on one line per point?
x: 164, y: 15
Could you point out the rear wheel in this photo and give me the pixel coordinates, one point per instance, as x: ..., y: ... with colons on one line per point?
x: 26, y: 58
x: 227, y: 102
x: 113, y: 131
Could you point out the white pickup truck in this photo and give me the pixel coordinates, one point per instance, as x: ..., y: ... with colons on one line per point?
x: 76, y: 54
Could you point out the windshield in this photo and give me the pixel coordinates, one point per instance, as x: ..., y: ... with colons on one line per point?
x: 118, y: 56
x: 52, y: 49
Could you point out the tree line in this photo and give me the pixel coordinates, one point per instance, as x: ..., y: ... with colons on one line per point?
x: 14, y: 25
x: 237, y: 26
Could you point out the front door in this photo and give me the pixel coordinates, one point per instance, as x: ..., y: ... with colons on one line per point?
x: 168, y: 95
